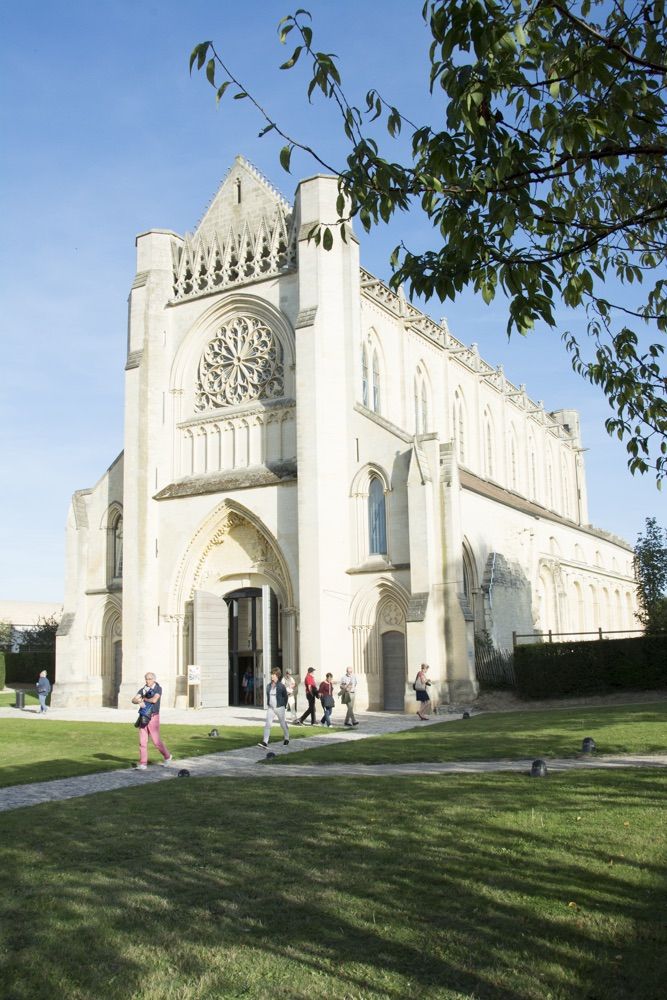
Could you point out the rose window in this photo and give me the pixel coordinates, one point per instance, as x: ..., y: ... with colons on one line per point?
x: 243, y: 362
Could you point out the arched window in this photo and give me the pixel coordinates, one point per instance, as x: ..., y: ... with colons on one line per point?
x: 364, y: 376
x: 488, y: 445
x: 114, y: 546
x: 532, y: 468
x: 458, y: 426
x: 376, y: 383
x: 514, y: 474
x: 565, y: 488
x: 118, y: 548
x: 421, y: 402
x: 550, y: 483
x: 377, y: 518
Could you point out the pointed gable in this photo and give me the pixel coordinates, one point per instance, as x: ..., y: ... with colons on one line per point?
x: 245, y: 200
x: 246, y: 233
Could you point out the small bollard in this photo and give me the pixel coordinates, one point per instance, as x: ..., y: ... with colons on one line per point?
x: 270, y: 755
x: 214, y: 732
x: 184, y: 773
x: 588, y: 745
x: 466, y: 715
x: 20, y: 699
x: 539, y: 769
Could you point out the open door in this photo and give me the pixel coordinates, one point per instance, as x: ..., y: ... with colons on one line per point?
x: 211, y: 648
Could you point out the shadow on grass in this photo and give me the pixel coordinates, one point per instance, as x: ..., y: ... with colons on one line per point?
x: 490, y: 886
x: 516, y: 735
x: 52, y: 749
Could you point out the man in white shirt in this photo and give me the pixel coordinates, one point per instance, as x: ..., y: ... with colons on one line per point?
x: 348, y: 686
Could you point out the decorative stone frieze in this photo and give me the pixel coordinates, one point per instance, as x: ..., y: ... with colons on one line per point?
x: 208, y: 263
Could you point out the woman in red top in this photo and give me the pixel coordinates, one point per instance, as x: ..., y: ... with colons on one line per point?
x: 327, y: 698
x: 311, y: 695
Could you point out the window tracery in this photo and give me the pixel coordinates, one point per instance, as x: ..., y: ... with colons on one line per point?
x: 243, y: 362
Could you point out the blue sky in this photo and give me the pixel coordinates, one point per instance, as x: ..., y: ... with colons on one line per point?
x: 105, y: 135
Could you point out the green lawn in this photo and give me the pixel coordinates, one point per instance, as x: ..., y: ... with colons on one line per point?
x: 490, y: 887
x: 517, y: 735
x: 42, y: 749
x: 8, y: 699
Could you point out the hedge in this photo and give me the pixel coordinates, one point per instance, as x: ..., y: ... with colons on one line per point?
x: 2, y: 671
x: 25, y: 668
x: 545, y: 670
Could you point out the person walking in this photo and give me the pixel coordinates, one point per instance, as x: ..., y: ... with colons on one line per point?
x: 150, y: 694
x: 310, y: 684
x: 248, y: 686
x: 290, y: 687
x: 43, y: 691
x: 327, y: 698
x: 276, y: 704
x: 421, y: 686
x: 348, y: 687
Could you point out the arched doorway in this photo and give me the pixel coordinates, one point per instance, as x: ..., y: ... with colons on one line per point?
x: 248, y: 622
x: 393, y: 671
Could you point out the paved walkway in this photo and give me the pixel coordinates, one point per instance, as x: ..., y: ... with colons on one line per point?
x: 249, y: 761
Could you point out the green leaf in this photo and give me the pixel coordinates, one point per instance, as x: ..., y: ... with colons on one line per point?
x: 293, y: 59
x: 285, y: 157
x: 210, y: 72
x: 221, y: 89
x: 199, y: 54
x: 327, y: 239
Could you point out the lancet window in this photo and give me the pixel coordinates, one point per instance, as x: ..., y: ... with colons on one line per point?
x: 377, y: 518
x: 364, y: 376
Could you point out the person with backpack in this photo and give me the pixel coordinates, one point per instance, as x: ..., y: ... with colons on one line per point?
x: 328, y: 701
x: 150, y: 694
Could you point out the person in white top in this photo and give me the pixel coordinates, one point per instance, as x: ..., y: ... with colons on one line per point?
x: 348, y: 686
x: 276, y: 703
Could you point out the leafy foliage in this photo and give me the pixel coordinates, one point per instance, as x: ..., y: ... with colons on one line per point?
x: 561, y: 669
x: 650, y: 562
x: 6, y: 636
x: 42, y: 635
x: 547, y: 180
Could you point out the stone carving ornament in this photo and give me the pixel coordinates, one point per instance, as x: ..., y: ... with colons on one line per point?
x: 391, y: 614
x: 242, y: 363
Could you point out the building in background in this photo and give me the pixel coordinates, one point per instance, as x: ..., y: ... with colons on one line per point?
x: 317, y: 474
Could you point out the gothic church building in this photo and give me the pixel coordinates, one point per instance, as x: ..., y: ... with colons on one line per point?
x: 317, y: 474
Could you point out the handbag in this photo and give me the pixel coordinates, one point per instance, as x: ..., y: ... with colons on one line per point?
x: 328, y: 701
x: 344, y: 697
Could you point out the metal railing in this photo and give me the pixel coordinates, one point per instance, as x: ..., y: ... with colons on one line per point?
x: 551, y: 636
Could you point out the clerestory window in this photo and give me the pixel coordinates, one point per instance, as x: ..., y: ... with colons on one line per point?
x: 377, y: 518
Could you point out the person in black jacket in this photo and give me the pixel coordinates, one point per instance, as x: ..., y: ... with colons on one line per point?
x: 276, y: 704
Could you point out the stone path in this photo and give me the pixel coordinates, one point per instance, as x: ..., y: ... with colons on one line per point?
x: 249, y: 763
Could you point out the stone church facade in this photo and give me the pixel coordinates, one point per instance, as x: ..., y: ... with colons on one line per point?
x: 317, y: 474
